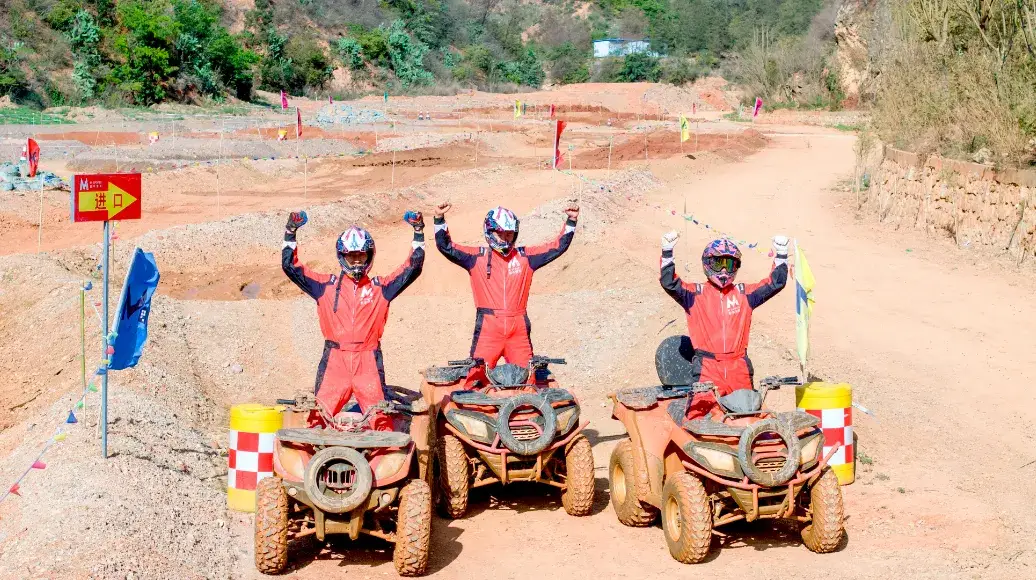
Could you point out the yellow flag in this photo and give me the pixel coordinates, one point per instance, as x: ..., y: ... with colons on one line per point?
x: 517, y: 109
x: 685, y: 129
x: 804, y: 283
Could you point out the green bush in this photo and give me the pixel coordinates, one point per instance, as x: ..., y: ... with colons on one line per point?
x: 407, y: 56
x: 568, y: 64
x: 680, y: 71
x: 640, y: 67
x: 350, y: 52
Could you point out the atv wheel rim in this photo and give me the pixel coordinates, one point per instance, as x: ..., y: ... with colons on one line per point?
x: 672, y: 519
x: 618, y: 485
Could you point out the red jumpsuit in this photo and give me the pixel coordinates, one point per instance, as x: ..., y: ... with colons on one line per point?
x: 719, y: 322
x: 501, y: 285
x: 352, y: 318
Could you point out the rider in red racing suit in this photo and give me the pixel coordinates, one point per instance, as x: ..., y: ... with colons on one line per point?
x: 501, y: 275
x: 719, y: 314
x: 352, y: 309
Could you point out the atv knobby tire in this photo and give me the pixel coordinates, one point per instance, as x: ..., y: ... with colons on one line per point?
x: 686, y: 518
x: 825, y: 532
x: 578, y: 496
x: 271, y: 526
x: 453, y: 477
x: 627, y: 489
x: 413, y: 529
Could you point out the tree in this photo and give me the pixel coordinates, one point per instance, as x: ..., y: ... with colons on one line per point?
x: 639, y: 67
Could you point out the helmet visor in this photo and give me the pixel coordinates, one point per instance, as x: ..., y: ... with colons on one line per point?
x: 721, y: 263
x: 354, y: 259
x: 502, y: 237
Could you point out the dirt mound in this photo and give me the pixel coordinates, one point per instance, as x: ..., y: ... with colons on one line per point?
x: 666, y: 143
x: 7, y: 103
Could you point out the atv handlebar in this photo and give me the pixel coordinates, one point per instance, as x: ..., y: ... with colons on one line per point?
x: 289, y: 402
x: 542, y: 361
x: 775, y: 382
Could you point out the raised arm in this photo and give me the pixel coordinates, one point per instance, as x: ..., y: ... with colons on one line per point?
x: 544, y: 254
x: 768, y: 287
x: 463, y: 256
x: 394, y: 284
x: 669, y: 279
x: 303, y: 277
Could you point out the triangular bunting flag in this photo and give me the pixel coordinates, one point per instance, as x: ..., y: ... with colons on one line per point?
x: 71, y: 418
x: 79, y: 405
x: 92, y: 388
x: 39, y: 465
x: 14, y: 490
x: 60, y: 437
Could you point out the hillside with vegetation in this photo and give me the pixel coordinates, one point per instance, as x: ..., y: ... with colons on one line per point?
x: 142, y: 52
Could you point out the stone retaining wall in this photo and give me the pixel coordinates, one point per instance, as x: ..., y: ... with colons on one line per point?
x: 971, y: 203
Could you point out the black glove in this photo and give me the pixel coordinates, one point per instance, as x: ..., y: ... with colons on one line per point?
x: 296, y: 220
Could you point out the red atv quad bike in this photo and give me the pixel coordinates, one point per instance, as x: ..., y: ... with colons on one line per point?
x: 506, y: 424
x: 342, y: 477
x: 741, y: 462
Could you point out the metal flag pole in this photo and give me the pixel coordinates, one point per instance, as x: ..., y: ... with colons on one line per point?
x: 104, y: 354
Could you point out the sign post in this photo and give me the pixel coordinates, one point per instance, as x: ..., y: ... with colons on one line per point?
x: 103, y: 198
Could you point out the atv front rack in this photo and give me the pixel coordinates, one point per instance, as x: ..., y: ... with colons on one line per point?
x: 354, y: 439
x: 477, y: 398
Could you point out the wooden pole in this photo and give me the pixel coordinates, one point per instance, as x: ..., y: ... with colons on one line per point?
x: 393, y: 166
x: 219, y: 161
x: 39, y: 233
x: 611, y: 140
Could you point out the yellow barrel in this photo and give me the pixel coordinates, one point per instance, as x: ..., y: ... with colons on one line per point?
x: 250, y: 452
x: 833, y: 405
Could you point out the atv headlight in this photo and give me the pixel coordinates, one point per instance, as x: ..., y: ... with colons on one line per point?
x: 810, y: 449
x: 566, y: 418
x: 390, y: 463
x: 715, y: 458
x: 472, y: 425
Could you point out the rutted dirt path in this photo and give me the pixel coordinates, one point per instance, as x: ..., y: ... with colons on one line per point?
x: 936, y: 341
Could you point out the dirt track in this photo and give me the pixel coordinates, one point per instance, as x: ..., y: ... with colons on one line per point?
x: 936, y: 340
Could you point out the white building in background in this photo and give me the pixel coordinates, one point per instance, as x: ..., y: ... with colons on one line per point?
x: 621, y: 47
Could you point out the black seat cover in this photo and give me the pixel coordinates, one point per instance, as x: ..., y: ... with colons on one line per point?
x: 673, y: 361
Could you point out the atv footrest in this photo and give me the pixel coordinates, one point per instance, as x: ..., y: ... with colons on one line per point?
x: 356, y: 440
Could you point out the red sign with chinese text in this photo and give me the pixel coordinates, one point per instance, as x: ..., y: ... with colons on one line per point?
x: 106, y: 197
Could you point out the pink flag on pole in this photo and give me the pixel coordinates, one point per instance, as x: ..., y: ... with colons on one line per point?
x: 552, y: 111
x: 330, y: 100
x: 559, y: 126
x: 14, y: 490
x: 758, y: 107
x: 298, y: 122
x: 284, y: 101
x: 39, y: 465
x: 34, y: 157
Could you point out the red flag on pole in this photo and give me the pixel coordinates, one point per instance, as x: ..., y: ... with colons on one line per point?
x: 14, y: 489
x: 552, y: 111
x: 34, y: 157
x: 694, y: 108
x: 559, y: 126
x: 284, y: 101
x: 330, y: 100
x: 758, y: 107
x: 298, y: 123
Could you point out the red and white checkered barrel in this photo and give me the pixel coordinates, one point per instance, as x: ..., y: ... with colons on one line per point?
x: 833, y: 405
x: 250, y: 452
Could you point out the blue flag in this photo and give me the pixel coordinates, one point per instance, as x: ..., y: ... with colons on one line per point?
x: 134, y: 308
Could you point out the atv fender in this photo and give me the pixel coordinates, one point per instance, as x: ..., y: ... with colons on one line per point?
x: 647, y: 453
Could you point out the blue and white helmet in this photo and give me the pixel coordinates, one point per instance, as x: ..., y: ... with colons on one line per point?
x: 500, y: 219
x: 355, y: 239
